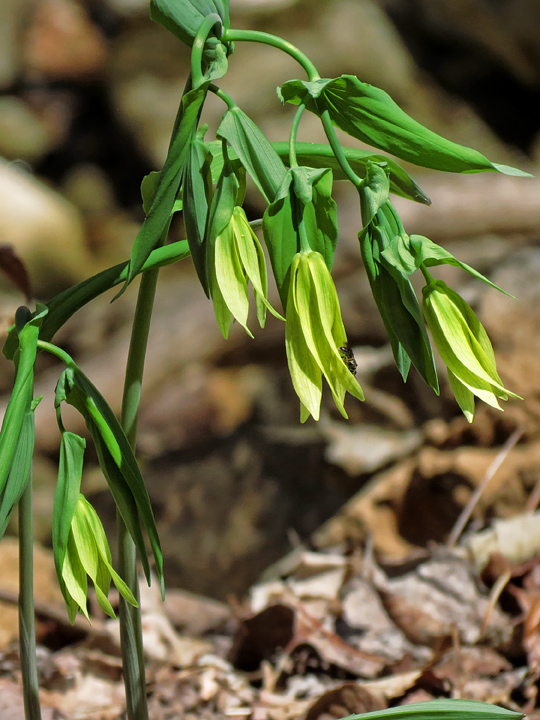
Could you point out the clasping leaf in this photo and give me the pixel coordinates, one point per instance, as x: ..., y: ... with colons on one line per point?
x: 370, y: 115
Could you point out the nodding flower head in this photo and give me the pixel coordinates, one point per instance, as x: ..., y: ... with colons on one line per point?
x: 315, y: 336
x: 238, y: 259
x: 464, y: 347
x: 88, y: 555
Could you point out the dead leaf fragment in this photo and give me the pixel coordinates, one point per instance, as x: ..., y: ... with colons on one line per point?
x: 342, y: 701
x: 14, y: 268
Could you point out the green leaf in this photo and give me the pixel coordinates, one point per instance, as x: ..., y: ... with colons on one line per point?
x: 292, y: 205
x: 148, y: 192
x: 66, y: 303
x: 20, y: 473
x: 399, y: 309
x: 66, y: 496
x: 320, y: 213
x: 196, y: 190
x: 406, y: 254
x: 442, y: 710
x: 224, y: 201
x: 122, y: 495
x: 432, y: 254
x: 158, y: 216
x: 20, y: 402
x: 254, y: 151
x: 373, y: 191
x: 126, y: 482
x: 184, y: 17
x: 318, y: 155
x: 370, y: 115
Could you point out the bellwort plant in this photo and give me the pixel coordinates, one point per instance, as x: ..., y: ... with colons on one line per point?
x: 205, y: 179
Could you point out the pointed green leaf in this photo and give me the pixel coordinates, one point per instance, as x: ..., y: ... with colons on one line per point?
x: 196, y: 191
x: 20, y: 473
x: 66, y: 496
x: 321, y: 156
x: 373, y: 191
x: 21, y: 397
x: 280, y: 221
x: 442, y: 710
x: 370, y: 115
x: 224, y: 201
x: 280, y: 236
x: 432, y: 254
x: 157, y: 218
x: 66, y: 303
x: 184, y: 17
x: 320, y: 215
x: 148, y: 192
x: 128, y: 482
x: 122, y: 495
x: 254, y: 151
x: 399, y: 309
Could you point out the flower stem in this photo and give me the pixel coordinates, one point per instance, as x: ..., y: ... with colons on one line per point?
x: 338, y: 150
x: 130, y: 617
x: 222, y: 95
x: 277, y: 42
x: 199, y: 42
x: 427, y: 275
x: 55, y: 350
x: 293, y: 162
x: 27, y: 622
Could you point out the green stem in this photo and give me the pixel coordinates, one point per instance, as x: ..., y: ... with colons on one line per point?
x: 55, y: 350
x: 222, y: 95
x: 427, y: 275
x: 205, y: 28
x: 338, y: 150
x: 27, y: 622
x: 130, y: 617
x: 277, y: 42
x: 293, y: 162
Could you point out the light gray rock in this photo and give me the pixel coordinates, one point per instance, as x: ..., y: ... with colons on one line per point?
x: 22, y: 134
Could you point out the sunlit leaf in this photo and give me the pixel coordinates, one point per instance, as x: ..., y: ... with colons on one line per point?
x: 254, y: 151
x: 442, y: 710
x: 370, y: 115
x: 184, y: 17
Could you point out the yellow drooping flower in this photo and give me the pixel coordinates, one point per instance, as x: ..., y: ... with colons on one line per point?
x: 464, y: 347
x: 238, y: 259
x: 315, y: 336
x: 88, y: 555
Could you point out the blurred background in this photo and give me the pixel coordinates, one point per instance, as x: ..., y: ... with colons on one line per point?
x: 88, y: 94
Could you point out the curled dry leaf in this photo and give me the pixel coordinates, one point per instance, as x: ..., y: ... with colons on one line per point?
x: 438, y: 596
x: 344, y: 700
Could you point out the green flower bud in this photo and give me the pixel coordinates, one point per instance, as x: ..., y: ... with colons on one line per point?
x: 238, y: 259
x: 464, y: 347
x: 315, y: 336
x: 88, y: 554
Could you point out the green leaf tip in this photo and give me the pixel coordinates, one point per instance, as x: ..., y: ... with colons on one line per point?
x: 369, y: 114
x: 442, y: 710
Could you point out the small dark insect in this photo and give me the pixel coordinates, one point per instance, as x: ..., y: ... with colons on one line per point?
x: 348, y: 358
